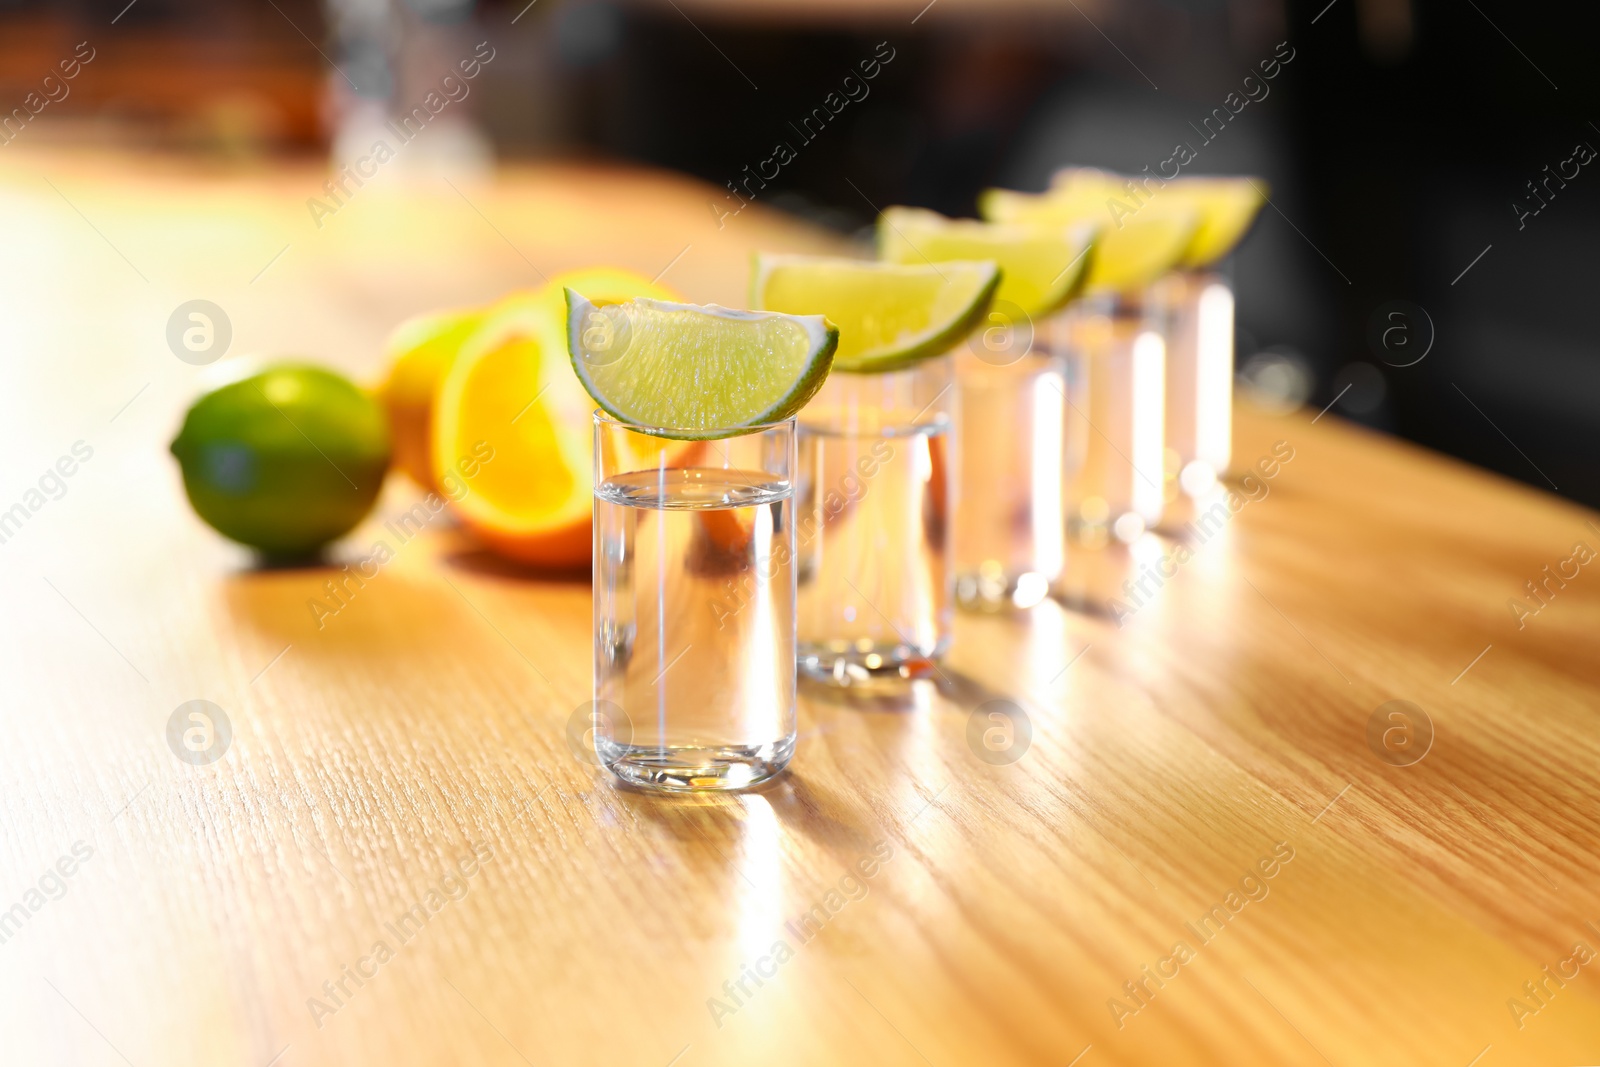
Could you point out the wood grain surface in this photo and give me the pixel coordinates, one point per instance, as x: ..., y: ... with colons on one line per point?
x: 1199, y: 858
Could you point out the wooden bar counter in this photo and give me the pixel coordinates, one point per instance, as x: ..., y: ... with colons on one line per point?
x: 1214, y: 849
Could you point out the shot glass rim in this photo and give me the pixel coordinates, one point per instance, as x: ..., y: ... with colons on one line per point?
x: 605, y: 418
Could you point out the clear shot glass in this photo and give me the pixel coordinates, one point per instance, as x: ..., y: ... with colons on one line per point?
x: 875, y: 495
x: 694, y: 606
x: 1198, y: 329
x: 1010, y: 534
x: 1115, y: 359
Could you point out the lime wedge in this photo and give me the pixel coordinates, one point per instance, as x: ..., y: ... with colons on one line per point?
x: 1226, y: 206
x: 1041, y: 267
x: 889, y: 316
x: 693, y: 372
x: 1142, y: 251
x: 1134, y: 249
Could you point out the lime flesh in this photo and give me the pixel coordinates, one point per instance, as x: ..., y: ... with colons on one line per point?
x: 889, y: 316
x: 1041, y: 267
x: 694, y: 372
x: 1138, y: 243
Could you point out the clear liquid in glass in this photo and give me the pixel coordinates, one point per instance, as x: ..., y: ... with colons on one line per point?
x: 873, y: 544
x: 1199, y: 336
x: 1116, y: 373
x: 1010, y: 529
x: 694, y: 626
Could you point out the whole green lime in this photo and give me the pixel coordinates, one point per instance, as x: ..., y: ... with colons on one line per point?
x: 286, y: 460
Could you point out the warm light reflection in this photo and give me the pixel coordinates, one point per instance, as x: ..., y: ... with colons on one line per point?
x: 761, y: 665
x: 1150, y: 569
x: 1045, y: 644
x: 761, y: 889
x: 1048, y: 453
x: 1147, y: 549
x: 1032, y: 588
x: 662, y: 597
x: 1149, y: 424
x: 921, y: 459
x: 1214, y: 378
x: 1212, y: 555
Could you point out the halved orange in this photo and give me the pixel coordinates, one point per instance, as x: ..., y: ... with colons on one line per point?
x: 421, y: 351
x: 512, y: 426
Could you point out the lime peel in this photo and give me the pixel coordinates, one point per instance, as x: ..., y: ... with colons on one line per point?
x: 893, y: 315
x: 1043, y: 267
x: 696, y: 372
x: 1130, y: 255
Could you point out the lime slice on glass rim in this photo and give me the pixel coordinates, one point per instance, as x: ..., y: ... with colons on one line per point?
x: 890, y: 316
x: 695, y: 372
x: 1227, y: 205
x: 1133, y: 251
x: 1041, y: 267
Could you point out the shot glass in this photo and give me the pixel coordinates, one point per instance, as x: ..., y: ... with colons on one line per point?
x: 694, y: 606
x: 1198, y: 309
x: 875, y: 495
x: 1010, y: 538
x: 1115, y: 360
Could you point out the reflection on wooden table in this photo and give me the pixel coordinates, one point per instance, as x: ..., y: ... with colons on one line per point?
x: 1213, y: 850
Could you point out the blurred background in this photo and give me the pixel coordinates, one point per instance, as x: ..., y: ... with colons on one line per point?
x: 1426, y: 152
